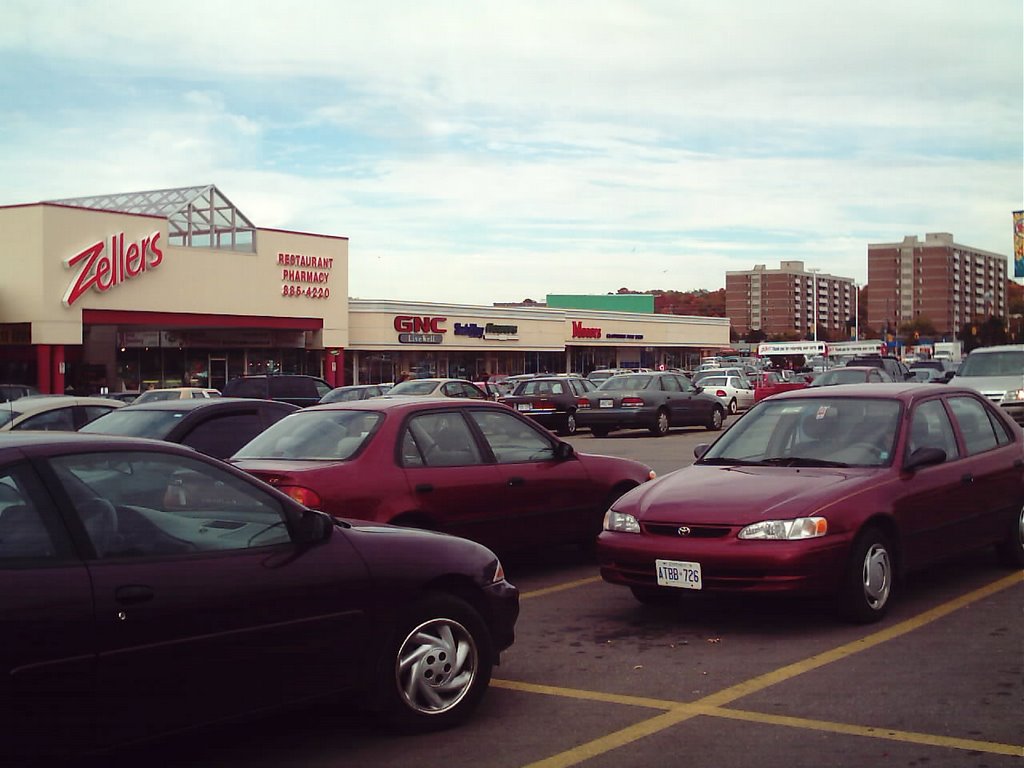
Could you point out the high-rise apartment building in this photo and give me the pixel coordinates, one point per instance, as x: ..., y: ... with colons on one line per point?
x: 790, y: 299
x: 937, y: 280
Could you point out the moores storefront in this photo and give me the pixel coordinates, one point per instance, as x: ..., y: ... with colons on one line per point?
x: 164, y: 288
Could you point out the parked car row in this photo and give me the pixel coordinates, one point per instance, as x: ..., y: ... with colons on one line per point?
x: 298, y: 546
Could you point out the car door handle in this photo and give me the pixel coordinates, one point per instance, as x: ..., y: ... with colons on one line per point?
x: 514, y: 481
x: 424, y: 488
x: 967, y: 478
x: 134, y: 594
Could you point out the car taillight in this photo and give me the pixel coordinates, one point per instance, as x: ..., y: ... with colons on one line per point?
x: 302, y: 495
x: 632, y: 402
x: 543, y: 405
x: 582, y: 402
x: 721, y: 393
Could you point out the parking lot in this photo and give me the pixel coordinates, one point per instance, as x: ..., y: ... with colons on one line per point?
x: 596, y: 679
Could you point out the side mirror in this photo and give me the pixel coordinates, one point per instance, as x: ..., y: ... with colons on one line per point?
x: 313, y: 527
x: 924, y: 457
x: 700, y: 449
x: 564, y: 452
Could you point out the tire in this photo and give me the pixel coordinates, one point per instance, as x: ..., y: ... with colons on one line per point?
x: 569, y: 428
x: 716, y: 419
x: 733, y: 407
x: 660, y: 426
x: 599, y: 431
x: 1011, y: 549
x: 867, y: 588
x: 437, y: 666
x: 655, y: 595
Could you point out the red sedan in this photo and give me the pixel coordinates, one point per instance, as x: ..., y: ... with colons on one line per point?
x: 832, y: 490
x: 468, y: 467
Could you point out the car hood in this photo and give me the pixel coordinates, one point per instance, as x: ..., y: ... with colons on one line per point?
x: 716, y: 495
x: 989, y: 385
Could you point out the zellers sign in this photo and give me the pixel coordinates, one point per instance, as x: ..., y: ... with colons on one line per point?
x: 104, y: 268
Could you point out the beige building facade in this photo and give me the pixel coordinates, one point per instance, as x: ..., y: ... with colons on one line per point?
x: 177, y: 287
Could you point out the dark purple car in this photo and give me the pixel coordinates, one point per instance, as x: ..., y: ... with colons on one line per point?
x: 146, y: 588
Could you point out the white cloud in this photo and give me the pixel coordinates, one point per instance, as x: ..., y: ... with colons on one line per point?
x: 549, y: 147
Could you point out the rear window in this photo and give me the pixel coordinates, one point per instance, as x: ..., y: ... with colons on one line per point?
x: 292, y: 386
x: 255, y: 387
x: 141, y: 423
x: 313, y: 435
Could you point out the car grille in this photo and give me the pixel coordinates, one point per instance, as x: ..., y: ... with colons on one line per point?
x: 696, y: 531
x: 1015, y: 412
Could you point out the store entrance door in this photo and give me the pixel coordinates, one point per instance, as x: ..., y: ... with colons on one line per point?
x: 218, y: 367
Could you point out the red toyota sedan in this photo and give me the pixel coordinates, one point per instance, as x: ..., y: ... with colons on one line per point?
x: 468, y: 467
x: 834, y: 490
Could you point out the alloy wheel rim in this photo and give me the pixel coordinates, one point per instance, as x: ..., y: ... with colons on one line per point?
x: 436, y: 666
x: 877, y: 576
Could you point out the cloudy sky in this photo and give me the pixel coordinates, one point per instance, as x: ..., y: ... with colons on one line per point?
x: 477, y: 151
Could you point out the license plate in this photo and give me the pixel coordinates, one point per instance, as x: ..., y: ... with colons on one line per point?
x: 675, y: 573
x: 522, y: 406
x: 606, y: 403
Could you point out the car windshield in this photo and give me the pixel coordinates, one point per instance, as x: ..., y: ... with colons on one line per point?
x: 835, y: 432
x: 141, y: 423
x: 331, y: 435
x: 413, y: 387
x: 1007, y: 363
x: 624, y: 383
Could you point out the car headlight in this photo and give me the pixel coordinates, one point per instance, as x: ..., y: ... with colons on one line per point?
x: 620, y: 522
x: 786, y: 530
x: 1013, y: 396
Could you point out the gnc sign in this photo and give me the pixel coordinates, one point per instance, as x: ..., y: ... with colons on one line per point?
x: 416, y: 324
x: 103, y: 268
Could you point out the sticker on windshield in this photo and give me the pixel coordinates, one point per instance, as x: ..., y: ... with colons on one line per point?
x: 821, y: 412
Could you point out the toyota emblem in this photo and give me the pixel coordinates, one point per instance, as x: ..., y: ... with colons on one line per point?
x: 683, y: 530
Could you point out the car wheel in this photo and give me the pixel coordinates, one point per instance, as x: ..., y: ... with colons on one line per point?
x: 570, y: 425
x: 437, y: 666
x: 1011, y: 549
x: 869, y: 578
x: 599, y: 431
x: 733, y: 407
x: 717, y: 418
x: 655, y: 595
x: 660, y: 426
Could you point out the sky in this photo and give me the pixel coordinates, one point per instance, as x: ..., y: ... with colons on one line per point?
x: 476, y: 151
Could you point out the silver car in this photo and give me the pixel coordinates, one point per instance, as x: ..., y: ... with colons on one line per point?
x: 998, y: 374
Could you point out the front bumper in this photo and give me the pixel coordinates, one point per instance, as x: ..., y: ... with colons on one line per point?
x: 501, y: 612
x: 808, y: 567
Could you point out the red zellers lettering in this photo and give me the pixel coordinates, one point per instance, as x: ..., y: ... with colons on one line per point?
x: 104, y: 269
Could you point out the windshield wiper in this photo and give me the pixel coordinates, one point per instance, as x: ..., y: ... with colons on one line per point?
x: 800, y: 461
x: 726, y: 462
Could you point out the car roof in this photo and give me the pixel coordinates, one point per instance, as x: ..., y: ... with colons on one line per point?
x: 192, y: 404
x: 406, y: 403
x: 34, y: 439
x: 36, y: 403
x: 906, y: 391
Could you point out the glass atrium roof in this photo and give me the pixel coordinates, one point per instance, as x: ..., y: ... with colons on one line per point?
x: 198, y: 217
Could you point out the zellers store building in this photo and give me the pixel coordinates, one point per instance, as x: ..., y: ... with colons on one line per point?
x: 177, y: 287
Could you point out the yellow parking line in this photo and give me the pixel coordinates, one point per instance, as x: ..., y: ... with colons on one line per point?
x: 677, y: 712
x: 559, y: 587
